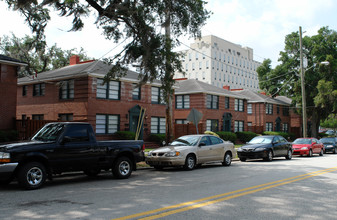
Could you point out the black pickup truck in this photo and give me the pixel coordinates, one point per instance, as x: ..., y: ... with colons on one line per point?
x: 66, y: 147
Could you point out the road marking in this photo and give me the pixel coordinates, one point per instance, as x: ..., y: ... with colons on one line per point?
x: 221, y: 197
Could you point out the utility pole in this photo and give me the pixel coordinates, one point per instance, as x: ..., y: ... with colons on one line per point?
x: 304, y: 103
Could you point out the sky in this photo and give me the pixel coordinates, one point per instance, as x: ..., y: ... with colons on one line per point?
x: 258, y: 24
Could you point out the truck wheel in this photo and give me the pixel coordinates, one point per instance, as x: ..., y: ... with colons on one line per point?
x: 32, y: 175
x: 122, y: 168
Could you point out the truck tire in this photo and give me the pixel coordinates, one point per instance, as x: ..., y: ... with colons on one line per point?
x: 122, y: 168
x: 32, y: 175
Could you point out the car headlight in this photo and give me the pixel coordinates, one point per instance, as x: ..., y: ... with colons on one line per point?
x: 239, y: 149
x: 260, y: 149
x: 304, y: 148
x: 172, y: 154
x: 5, y: 157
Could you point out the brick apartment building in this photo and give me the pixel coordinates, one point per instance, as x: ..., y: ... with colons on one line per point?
x: 270, y: 114
x: 78, y: 92
x: 222, y: 110
x: 8, y: 87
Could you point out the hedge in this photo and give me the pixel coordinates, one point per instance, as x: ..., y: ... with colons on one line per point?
x: 245, y: 136
x: 157, y: 138
x: 124, y: 135
x: 288, y: 136
x: 7, y: 136
x: 227, y: 136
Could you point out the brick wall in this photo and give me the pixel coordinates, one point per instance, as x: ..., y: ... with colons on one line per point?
x: 8, y: 89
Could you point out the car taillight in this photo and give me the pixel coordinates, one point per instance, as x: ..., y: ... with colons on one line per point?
x: 143, y: 147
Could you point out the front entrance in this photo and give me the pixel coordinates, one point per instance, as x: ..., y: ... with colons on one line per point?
x: 135, y: 116
x: 278, y: 124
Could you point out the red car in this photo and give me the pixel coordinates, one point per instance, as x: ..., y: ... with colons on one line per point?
x: 307, y: 146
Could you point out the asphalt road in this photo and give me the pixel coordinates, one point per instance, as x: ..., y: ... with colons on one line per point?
x: 302, y: 188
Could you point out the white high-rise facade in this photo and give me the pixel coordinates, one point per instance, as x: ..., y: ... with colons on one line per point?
x: 220, y: 63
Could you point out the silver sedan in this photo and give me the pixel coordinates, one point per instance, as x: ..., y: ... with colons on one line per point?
x: 192, y: 150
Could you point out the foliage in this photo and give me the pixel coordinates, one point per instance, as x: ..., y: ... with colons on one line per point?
x: 227, y: 136
x: 36, y: 54
x: 288, y: 136
x: 330, y: 122
x: 211, y: 133
x: 320, y: 80
x: 157, y: 138
x: 245, y: 136
x: 124, y: 135
x: 7, y: 136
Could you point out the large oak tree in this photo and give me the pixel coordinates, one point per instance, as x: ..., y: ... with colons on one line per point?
x: 152, y: 27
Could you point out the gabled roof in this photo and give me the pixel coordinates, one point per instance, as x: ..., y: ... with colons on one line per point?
x: 11, y: 61
x: 255, y: 97
x: 192, y: 86
x: 95, y: 69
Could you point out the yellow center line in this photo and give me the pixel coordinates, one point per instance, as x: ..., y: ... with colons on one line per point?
x: 192, y: 204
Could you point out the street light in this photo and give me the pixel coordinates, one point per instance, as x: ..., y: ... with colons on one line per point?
x: 304, y: 103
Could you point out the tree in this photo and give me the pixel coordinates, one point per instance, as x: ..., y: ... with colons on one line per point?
x: 139, y: 21
x: 320, y: 80
x: 330, y: 122
x: 37, y: 54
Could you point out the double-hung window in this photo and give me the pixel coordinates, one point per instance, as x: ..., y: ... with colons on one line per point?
x: 269, y: 126
x: 108, y: 90
x: 157, y: 96
x: 269, y: 109
x: 107, y: 124
x: 182, y: 101
x: 212, y: 125
x: 249, y: 108
x: 158, y: 125
x: 38, y: 89
x: 239, y: 106
x: 212, y: 101
x: 66, y: 89
x: 238, y: 126
x: 136, y: 92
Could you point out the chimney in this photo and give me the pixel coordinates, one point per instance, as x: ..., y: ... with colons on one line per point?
x: 74, y: 59
x: 226, y: 88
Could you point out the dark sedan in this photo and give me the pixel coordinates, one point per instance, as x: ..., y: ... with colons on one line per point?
x: 330, y: 144
x: 266, y: 147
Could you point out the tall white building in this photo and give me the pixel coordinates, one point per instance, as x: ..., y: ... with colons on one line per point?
x: 220, y: 63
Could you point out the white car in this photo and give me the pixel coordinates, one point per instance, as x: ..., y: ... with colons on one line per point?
x: 192, y: 150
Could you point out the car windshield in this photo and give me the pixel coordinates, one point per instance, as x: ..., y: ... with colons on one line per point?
x: 261, y: 140
x: 302, y: 141
x: 328, y: 140
x: 185, y: 141
x: 49, y: 132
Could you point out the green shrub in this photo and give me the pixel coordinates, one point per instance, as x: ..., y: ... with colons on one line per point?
x: 245, y: 136
x: 7, y: 136
x: 227, y: 136
x: 288, y: 136
x: 157, y: 138
x: 124, y: 135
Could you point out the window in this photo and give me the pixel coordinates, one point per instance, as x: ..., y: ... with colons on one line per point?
x: 136, y: 92
x: 66, y: 117
x: 207, y: 64
x: 249, y: 109
x: 212, y: 101
x: 193, y: 66
x: 226, y: 102
x: 269, y: 126
x: 181, y: 121
x: 250, y: 125
x: 78, y: 133
x: 38, y: 117
x: 239, y: 106
x: 285, y: 127
x: 24, y: 90
x: 200, y: 65
x: 38, y: 89
x: 107, y: 124
x: 196, y: 56
x: 66, y: 89
x: 212, y: 125
x: 238, y: 126
x: 110, y: 90
x: 269, y: 109
x: 278, y: 109
x: 182, y: 101
x: 186, y: 66
x: 157, y: 96
x: 285, y: 111
x: 158, y: 125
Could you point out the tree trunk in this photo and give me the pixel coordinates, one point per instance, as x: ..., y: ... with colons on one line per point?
x: 315, y: 119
